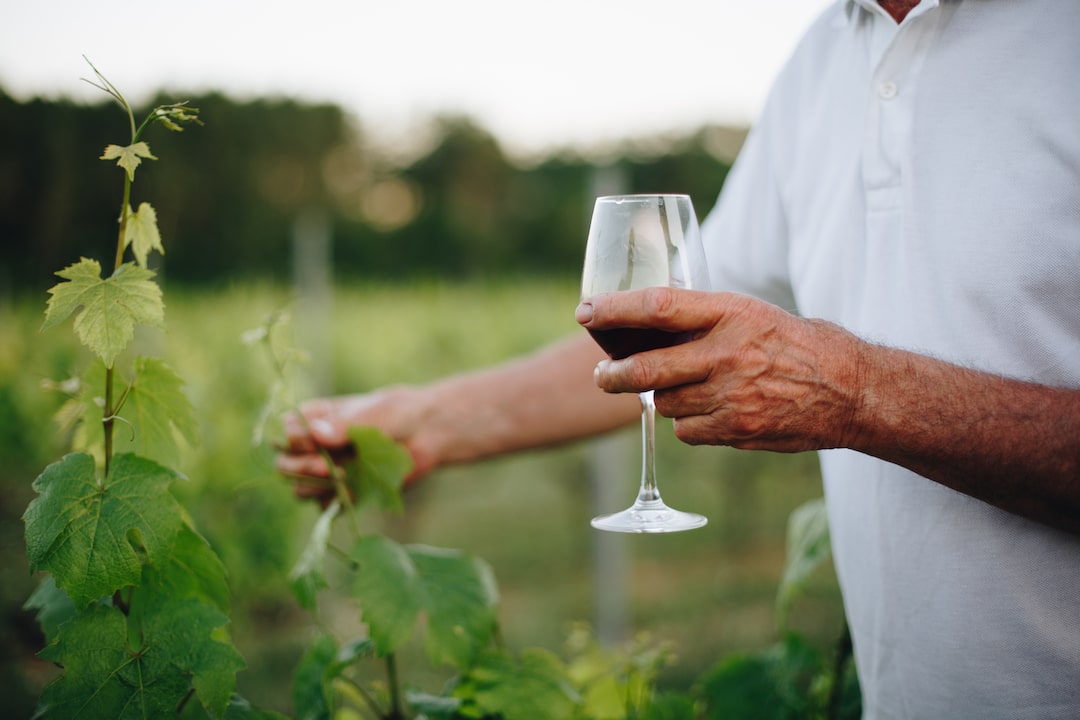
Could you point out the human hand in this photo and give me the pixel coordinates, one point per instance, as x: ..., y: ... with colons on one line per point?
x: 753, y: 376
x: 323, y: 425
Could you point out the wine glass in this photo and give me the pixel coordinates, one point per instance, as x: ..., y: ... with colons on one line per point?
x: 640, y: 241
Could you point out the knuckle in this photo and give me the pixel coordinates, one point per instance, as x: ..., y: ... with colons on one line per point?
x: 748, y: 426
x: 638, y: 373
x: 660, y: 302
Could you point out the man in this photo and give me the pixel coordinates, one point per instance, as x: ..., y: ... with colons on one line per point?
x: 912, y: 192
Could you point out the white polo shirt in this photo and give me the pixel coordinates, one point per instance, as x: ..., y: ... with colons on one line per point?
x: 920, y: 185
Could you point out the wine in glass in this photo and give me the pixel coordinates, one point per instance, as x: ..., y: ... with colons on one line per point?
x: 640, y: 241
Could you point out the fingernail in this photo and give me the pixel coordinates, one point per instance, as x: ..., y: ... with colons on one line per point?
x: 322, y: 427
x: 584, y: 313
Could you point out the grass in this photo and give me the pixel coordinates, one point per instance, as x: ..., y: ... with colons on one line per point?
x: 709, y: 592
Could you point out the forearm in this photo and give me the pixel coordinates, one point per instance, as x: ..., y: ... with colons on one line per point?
x: 538, y: 400
x: 1013, y: 444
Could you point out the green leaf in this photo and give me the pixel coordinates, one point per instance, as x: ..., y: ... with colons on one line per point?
x: 456, y: 591
x: 192, y: 570
x: 102, y: 677
x: 808, y: 546
x: 240, y: 709
x: 670, y: 706
x: 536, y: 687
x: 390, y: 590
x: 186, y: 635
x: 436, y: 707
x: 105, y: 677
x: 461, y: 602
x: 771, y: 685
x: 379, y: 469
x: 128, y: 157
x: 308, y: 576
x: 87, y: 410
x: 313, y: 696
x: 53, y: 605
x: 157, y: 411
x: 107, y: 310
x: 141, y: 233
x: 309, y: 696
x: 92, y: 536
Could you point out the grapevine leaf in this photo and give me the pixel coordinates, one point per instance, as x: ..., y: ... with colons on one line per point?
x: 347, y: 656
x: 128, y: 157
x: 379, y: 469
x: 157, y: 410
x: 308, y: 577
x: 432, y: 706
x: 187, y: 629
x: 240, y: 709
x: 808, y: 546
x: 90, y: 535
x: 461, y: 603
x: 322, y: 664
x: 102, y: 677
x: 105, y: 677
x: 535, y: 687
x: 85, y: 411
x: 309, y: 691
x: 456, y: 591
x: 107, y: 309
x: 141, y: 233
x: 773, y: 684
x: 670, y: 706
x: 193, y: 570
x: 389, y: 589
x: 53, y: 605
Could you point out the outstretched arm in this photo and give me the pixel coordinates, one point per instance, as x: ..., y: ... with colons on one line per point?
x: 538, y: 400
x: 757, y: 377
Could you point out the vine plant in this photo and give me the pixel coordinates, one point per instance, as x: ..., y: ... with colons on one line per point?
x: 448, y: 596
x: 451, y: 596
x: 134, y: 604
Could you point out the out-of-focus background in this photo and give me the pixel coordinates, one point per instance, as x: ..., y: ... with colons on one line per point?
x: 413, y: 181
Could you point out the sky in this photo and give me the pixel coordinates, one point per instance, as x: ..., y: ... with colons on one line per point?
x: 539, y: 76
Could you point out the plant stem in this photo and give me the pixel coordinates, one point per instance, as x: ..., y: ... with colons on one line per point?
x: 184, y: 701
x: 342, y: 490
x: 366, y: 696
x: 396, y: 713
x: 109, y: 411
x: 123, y: 223
x: 108, y: 418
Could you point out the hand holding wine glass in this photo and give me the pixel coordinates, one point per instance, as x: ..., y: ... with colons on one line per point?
x: 635, y: 242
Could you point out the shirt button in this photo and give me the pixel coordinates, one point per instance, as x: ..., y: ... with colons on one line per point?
x: 887, y: 90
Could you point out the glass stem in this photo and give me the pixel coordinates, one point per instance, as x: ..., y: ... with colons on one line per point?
x: 648, y: 492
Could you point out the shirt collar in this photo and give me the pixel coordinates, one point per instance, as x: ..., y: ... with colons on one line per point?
x: 849, y: 9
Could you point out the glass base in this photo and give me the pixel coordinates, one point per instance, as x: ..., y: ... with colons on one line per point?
x: 649, y: 517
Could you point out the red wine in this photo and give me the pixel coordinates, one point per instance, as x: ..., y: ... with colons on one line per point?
x: 623, y: 342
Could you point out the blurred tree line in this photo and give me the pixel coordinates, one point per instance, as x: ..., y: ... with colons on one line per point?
x: 227, y: 200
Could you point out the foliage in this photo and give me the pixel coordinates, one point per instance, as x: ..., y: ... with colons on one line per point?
x: 134, y: 603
